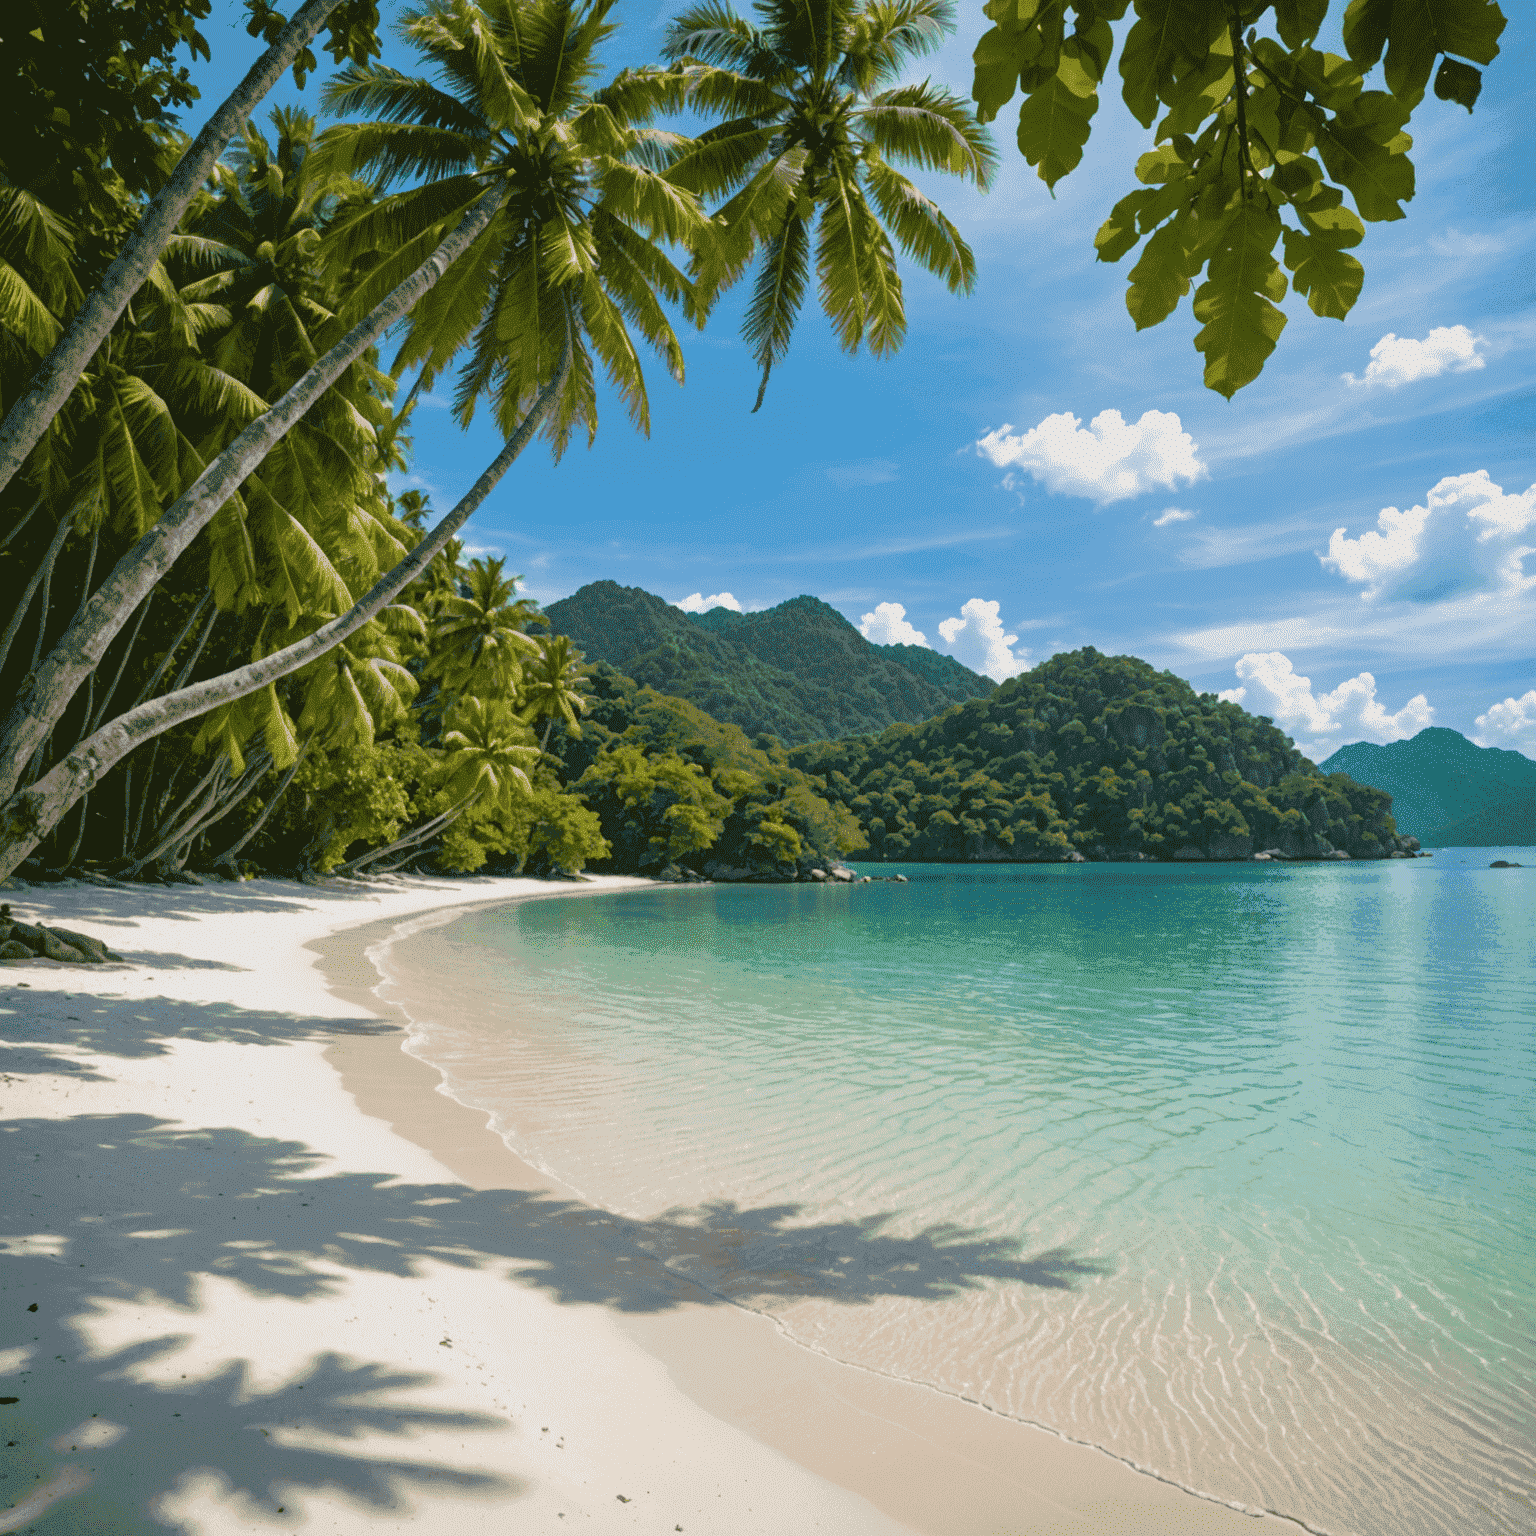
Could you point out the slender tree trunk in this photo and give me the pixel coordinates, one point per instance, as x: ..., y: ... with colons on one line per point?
x: 412, y: 839
x: 43, y: 573
x: 29, y: 418
x: 228, y: 856
x: 122, y: 666
x: 32, y: 814
x: 22, y: 521
x: 80, y: 649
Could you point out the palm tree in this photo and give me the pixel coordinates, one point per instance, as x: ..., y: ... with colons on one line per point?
x: 477, y: 634
x: 559, y: 190
x: 71, y: 348
x: 814, y: 121
x: 551, y: 688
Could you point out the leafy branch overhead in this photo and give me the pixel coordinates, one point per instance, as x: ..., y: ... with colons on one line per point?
x: 1260, y: 138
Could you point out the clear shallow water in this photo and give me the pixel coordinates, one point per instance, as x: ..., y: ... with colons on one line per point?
x: 1230, y: 1169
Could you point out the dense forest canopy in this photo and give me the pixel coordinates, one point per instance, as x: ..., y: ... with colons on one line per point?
x: 799, y: 671
x: 1097, y: 757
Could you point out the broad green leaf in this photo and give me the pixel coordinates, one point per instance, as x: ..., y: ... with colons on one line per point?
x: 1458, y: 82
x: 1366, y: 23
x: 1329, y: 279
x: 1168, y: 162
x: 1335, y: 225
x: 1240, y: 323
x: 1117, y: 234
x: 997, y: 73
x: 1379, y: 179
x: 1054, y: 122
x: 1198, y: 93
x: 1297, y: 21
x: 1158, y: 280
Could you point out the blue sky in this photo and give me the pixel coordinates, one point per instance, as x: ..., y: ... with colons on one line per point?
x: 1202, y: 537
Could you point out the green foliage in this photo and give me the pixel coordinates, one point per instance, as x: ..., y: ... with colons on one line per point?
x: 545, y: 832
x: 340, y: 799
x: 813, y: 121
x: 1255, y: 131
x: 655, y: 809
x: 799, y: 671
x: 1097, y: 757
x: 588, y: 193
x: 89, y: 108
x: 755, y: 811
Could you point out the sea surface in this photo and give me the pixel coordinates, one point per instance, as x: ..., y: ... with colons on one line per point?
x: 1228, y: 1169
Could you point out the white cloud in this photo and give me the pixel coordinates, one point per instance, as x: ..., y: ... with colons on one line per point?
x: 888, y: 625
x: 976, y: 640
x: 698, y: 603
x: 1321, y: 723
x: 1466, y: 538
x: 867, y: 472
x: 1510, y: 724
x: 1399, y: 360
x: 1174, y: 515
x: 1111, y: 461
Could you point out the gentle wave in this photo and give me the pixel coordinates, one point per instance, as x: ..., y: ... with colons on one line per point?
x: 1227, y: 1170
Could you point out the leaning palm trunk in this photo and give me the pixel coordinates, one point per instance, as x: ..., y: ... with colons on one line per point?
x: 32, y: 814
x: 28, y: 419
x: 79, y: 651
x: 412, y: 839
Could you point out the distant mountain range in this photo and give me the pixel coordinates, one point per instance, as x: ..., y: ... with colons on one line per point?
x: 1447, y: 791
x: 799, y: 671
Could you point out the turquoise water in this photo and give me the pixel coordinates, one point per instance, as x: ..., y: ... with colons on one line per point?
x: 1227, y: 1169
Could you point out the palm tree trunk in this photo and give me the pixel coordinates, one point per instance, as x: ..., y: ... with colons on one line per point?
x: 228, y: 856
x: 32, y: 814
x: 42, y: 574
x: 412, y: 839
x: 29, y: 418
x: 80, y: 649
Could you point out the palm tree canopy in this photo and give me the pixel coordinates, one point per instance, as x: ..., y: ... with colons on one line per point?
x: 813, y: 121
x: 487, y: 748
x: 587, y: 192
x: 478, y: 635
x: 552, y: 685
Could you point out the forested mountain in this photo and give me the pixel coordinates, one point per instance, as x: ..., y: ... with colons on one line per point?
x: 1098, y: 757
x: 799, y: 671
x: 1447, y: 791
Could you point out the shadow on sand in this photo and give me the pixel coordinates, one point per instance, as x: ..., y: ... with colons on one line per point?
x: 267, y: 1215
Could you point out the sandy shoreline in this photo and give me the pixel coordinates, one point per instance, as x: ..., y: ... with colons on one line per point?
x: 283, y: 1285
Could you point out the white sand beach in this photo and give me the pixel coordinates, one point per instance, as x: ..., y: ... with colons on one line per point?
x: 259, y: 1277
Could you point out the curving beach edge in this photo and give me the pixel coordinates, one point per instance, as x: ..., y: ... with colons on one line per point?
x: 283, y: 1283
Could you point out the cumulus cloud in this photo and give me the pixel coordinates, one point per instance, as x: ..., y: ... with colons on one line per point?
x: 1397, y: 360
x: 1511, y: 724
x: 1467, y: 537
x: 698, y: 603
x: 888, y: 625
x: 976, y: 640
x: 1174, y: 515
x: 1111, y: 461
x: 1321, y: 723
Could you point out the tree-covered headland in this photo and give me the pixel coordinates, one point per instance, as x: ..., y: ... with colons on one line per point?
x: 1096, y: 757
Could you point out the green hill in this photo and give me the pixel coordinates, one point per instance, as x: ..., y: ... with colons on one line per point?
x: 799, y: 671
x: 1447, y: 791
x: 1098, y: 757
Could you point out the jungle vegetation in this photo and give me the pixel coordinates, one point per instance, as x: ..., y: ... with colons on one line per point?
x: 799, y: 671
x: 1095, y: 757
